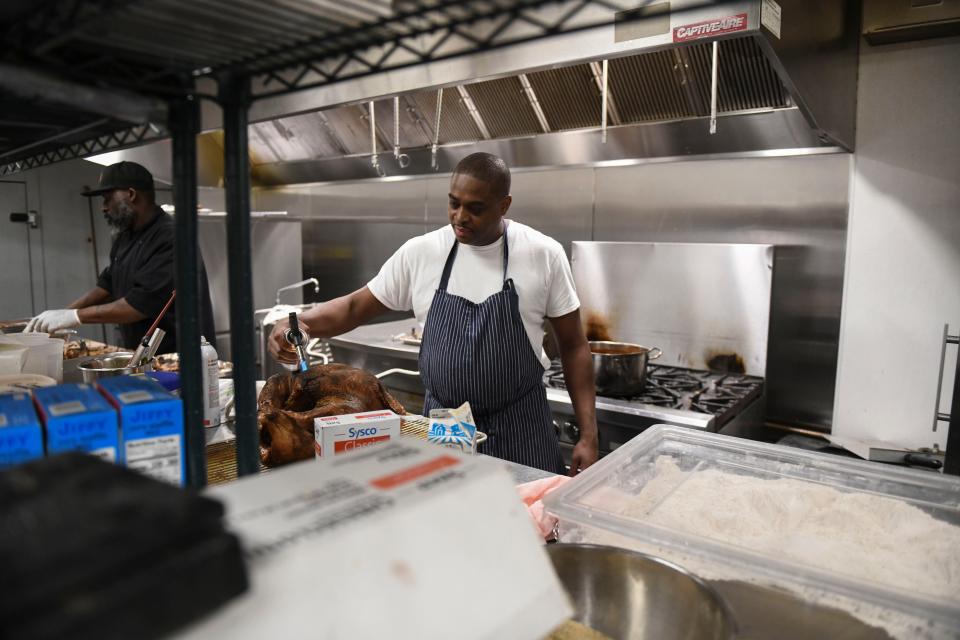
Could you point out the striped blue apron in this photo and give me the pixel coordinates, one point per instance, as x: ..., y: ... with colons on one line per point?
x: 481, y: 353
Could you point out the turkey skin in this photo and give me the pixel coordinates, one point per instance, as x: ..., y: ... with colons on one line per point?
x: 289, y: 403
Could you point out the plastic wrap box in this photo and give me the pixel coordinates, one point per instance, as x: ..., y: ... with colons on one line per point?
x: 607, y: 505
x: 77, y: 418
x: 151, y: 427
x: 402, y: 540
x: 21, y: 436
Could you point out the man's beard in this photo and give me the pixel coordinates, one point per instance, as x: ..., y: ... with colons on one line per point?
x: 122, y: 218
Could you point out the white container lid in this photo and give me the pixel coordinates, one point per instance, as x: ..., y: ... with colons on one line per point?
x: 20, y: 382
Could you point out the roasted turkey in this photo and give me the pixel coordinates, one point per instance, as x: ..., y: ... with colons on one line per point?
x: 289, y: 402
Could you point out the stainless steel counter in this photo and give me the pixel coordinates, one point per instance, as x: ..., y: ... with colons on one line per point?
x: 522, y: 473
x: 372, y: 348
x: 377, y: 340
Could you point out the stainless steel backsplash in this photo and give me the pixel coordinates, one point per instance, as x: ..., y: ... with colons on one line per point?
x: 797, y: 203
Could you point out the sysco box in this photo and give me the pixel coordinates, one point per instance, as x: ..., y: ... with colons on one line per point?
x: 78, y: 418
x: 21, y: 436
x: 336, y: 434
x: 151, y: 427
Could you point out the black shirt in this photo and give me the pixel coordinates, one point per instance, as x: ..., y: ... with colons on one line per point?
x: 142, y: 272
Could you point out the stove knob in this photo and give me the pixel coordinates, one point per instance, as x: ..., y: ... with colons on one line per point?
x: 572, y: 429
x: 556, y: 427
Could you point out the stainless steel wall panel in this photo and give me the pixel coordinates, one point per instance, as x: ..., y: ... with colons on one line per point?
x: 349, y: 229
x: 346, y: 255
x: 276, y: 262
x: 17, y: 288
x: 697, y: 302
x: 558, y: 203
x: 798, y: 204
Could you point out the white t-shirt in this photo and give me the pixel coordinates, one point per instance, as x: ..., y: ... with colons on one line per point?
x: 537, y: 264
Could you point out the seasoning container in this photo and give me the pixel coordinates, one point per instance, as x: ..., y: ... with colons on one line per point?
x: 211, y: 383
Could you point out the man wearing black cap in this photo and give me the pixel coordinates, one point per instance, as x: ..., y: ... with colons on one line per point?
x: 134, y: 288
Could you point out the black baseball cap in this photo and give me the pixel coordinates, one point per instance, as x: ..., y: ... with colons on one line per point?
x: 123, y: 175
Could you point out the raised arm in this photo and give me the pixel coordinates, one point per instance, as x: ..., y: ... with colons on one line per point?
x: 326, y: 320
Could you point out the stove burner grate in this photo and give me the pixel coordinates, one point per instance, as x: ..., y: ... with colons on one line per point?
x: 715, y: 393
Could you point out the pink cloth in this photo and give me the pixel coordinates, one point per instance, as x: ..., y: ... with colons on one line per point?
x: 532, y: 494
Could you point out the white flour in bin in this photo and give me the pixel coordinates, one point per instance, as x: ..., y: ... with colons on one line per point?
x: 878, y: 540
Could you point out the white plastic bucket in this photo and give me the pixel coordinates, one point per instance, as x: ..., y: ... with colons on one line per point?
x: 12, y: 357
x: 44, y: 354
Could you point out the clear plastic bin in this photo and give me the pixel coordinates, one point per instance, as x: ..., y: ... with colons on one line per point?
x: 696, y: 499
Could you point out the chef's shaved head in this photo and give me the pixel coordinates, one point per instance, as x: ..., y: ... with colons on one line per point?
x: 487, y: 168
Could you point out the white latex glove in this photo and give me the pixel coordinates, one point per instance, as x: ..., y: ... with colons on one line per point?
x: 54, y: 320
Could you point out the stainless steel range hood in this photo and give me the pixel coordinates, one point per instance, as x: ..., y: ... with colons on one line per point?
x: 786, y: 84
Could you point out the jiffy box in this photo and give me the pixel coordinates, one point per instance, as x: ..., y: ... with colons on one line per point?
x: 21, y: 436
x: 151, y: 427
x: 405, y: 540
x: 337, y: 434
x: 78, y: 418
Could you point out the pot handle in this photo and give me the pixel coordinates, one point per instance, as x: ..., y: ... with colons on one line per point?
x: 652, y: 356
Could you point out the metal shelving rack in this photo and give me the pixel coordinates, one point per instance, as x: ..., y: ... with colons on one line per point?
x: 97, y: 56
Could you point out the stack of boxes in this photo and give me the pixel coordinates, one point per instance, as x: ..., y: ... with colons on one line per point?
x: 129, y: 420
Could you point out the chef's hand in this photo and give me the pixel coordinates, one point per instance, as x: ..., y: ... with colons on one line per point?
x: 280, y: 349
x: 54, y: 320
x: 585, y: 453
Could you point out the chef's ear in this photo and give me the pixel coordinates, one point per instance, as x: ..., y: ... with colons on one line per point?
x: 505, y: 204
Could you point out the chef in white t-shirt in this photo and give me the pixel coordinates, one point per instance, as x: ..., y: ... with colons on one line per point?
x: 482, y: 287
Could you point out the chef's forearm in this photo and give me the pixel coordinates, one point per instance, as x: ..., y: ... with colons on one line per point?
x: 95, y: 296
x: 578, y: 375
x: 116, y: 312
x: 342, y: 314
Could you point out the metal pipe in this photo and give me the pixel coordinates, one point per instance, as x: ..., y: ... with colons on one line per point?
x: 713, y: 87
x: 603, y: 101
x: 235, y: 100
x: 297, y: 285
x: 38, y: 86
x: 185, y: 125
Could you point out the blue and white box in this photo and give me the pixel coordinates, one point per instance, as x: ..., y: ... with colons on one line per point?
x: 77, y: 418
x: 151, y: 427
x: 21, y: 434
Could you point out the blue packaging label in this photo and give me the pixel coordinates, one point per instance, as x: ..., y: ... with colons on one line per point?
x: 151, y: 427
x: 21, y: 435
x: 78, y: 418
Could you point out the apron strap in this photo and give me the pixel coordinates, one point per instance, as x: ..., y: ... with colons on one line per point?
x: 448, y: 265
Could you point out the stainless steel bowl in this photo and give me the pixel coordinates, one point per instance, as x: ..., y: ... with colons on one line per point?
x: 113, y: 364
x: 629, y: 595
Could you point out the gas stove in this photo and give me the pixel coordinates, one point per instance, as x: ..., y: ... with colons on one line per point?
x: 699, y: 399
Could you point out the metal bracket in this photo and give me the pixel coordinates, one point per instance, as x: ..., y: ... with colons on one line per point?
x: 938, y: 416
